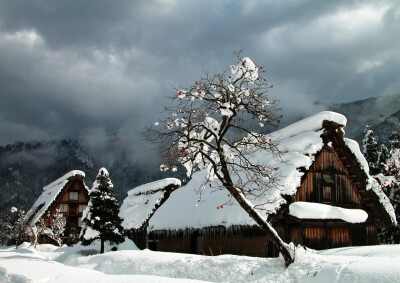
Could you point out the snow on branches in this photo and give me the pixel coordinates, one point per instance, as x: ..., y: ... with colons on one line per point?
x: 219, y: 121
x: 216, y: 126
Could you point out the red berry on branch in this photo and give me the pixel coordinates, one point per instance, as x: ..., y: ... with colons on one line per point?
x: 276, y: 168
x: 222, y: 206
x: 229, y: 195
x: 271, y: 86
x: 196, y: 83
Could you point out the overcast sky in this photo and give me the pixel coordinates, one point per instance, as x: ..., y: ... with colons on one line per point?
x: 92, y: 68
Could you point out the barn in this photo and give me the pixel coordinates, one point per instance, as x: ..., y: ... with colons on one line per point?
x: 67, y: 195
x: 324, y: 198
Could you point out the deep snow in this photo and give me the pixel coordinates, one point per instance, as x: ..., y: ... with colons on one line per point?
x: 47, y: 263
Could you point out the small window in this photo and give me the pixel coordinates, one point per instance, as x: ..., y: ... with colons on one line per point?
x: 63, y: 207
x: 82, y: 207
x: 327, y: 193
x: 79, y: 221
x: 328, y: 179
x: 73, y: 195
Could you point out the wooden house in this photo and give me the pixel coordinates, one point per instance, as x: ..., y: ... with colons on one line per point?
x: 67, y: 195
x: 324, y: 198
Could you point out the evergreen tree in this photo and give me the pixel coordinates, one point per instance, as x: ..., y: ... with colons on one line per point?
x: 394, y: 140
x: 100, y: 220
x: 370, y: 150
x: 383, y: 157
x: 391, y: 187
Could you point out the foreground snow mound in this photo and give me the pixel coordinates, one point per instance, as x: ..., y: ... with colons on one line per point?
x: 51, y: 264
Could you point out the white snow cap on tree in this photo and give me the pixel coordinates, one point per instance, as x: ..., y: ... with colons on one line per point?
x: 246, y: 68
x: 103, y: 171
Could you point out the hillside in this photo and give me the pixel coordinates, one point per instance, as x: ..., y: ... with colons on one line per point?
x: 382, y: 113
x: 26, y: 167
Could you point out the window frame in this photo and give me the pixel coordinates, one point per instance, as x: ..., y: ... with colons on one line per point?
x: 62, y: 207
x: 72, y: 193
x: 83, y: 206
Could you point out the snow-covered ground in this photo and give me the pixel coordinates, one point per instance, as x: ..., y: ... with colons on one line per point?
x: 48, y: 263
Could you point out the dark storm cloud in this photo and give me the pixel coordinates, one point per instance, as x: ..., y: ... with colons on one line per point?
x: 95, y: 68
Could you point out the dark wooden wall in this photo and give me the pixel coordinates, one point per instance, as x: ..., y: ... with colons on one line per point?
x: 328, y: 182
x: 328, y: 171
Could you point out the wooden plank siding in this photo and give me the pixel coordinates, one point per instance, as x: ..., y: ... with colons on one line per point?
x: 329, y: 171
x: 343, y: 191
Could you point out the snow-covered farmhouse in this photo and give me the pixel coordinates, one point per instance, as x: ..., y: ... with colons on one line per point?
x: 67, y: 195
x: 324, y: 198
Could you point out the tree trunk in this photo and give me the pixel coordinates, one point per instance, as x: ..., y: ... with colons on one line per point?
x: 102, y: 246
x: 256, y: 216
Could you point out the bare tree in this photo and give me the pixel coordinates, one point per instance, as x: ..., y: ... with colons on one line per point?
x: 216, y: 125
x: 57, y: 227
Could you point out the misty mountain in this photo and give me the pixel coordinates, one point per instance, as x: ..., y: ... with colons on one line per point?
x: 26, y: 167
x: 381, y: 113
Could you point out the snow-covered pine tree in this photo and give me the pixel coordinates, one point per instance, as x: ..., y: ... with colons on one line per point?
x: 100, y: 220
x: 383, y: 157
x: 370, y: 150
x: 391, y: 186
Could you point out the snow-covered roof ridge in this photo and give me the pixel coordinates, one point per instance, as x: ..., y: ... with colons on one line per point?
x: 63, y: 178
x: 372, y: 183
x: 143, y: 201
x: 156, y: 185
x: 312, y: 123
x: 49, y: 194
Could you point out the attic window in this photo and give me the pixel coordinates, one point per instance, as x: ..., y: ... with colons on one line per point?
x: 328, y: 185
x: 328, y: 179
x: 73, y: 195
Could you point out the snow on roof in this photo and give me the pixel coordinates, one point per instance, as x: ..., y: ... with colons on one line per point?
x: 142, y: 200
x: 312, y: 210
x: 50, y: 193
x: 372, y: 183
x: 299, y: 142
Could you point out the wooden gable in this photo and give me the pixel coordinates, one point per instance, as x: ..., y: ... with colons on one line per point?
x: 71, y: 202
x: 336, y: 178
x: 327, y: 181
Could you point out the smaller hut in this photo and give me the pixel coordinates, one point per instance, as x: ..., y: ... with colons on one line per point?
x: 67, y: 195
x: 140, y: 205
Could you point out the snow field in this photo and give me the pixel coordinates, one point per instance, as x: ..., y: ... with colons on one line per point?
x: 83, y: 264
